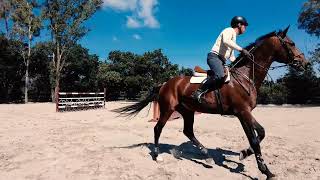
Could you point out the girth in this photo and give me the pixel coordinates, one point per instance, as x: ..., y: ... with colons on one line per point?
x: 217, y: 94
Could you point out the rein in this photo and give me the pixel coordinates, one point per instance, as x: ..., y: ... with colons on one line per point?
x: 290, y: 56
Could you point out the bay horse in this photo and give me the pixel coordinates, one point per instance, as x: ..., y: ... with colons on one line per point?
x: 238, y: 97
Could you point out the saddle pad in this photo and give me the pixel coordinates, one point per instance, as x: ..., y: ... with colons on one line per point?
x: 199, y: 77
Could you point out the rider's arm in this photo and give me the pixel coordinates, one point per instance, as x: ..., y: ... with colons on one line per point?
x: 232, y: 57
x: 226, y: 39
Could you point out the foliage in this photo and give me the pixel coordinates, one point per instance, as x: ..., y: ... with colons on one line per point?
x: 5, y: 13
x: 301, y: 86
x: 315, y: 58
x: 309, y: 17
x: 26, y: 25
x: 296, y: 87
x: 136, y: 74
x: 80, y: 73
x: 11, y: 71
x: 272, y: 93
x: 40, y: 72
x: 109, y: 79
x: 26, y: 22
x: 186, y: 71
x: 66, y: 23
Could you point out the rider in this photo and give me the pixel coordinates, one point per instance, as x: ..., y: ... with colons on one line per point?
x: 222, y: 49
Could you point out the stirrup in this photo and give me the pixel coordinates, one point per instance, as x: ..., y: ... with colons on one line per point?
x: 197, y: 95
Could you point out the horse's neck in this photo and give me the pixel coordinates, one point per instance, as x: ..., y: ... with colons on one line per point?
x: 254, y: 71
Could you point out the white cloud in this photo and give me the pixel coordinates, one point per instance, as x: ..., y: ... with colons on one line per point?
x: 146, y: 13
x: 120, y: 4
x: 136, y: 36
x: 142, y: 12
x: 133, y: 22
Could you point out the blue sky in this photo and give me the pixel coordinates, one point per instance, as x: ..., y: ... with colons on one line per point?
x: 186, y: 29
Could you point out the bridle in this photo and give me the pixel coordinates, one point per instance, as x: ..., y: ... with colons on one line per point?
x: 290, y: 57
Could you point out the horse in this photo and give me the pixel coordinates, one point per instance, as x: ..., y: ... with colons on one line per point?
x: 238, y: 97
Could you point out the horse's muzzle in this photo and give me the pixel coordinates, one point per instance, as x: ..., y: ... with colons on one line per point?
x: 298, y: 64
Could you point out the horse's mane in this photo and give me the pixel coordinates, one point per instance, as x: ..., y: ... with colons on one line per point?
x: 256, y: 42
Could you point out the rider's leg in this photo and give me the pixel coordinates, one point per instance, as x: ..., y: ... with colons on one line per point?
x: 204, y: 87
x: 213, y: 82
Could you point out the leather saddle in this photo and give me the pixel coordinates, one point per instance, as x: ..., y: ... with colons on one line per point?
x: 199, y: 72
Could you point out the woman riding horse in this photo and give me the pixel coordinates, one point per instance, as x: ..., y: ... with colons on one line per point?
x: 222, y: 50
x: 238, y: 96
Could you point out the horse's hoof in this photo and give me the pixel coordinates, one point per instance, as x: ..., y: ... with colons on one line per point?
x: 242, y: 155
x: 272, y: 177
x: 159, y: 159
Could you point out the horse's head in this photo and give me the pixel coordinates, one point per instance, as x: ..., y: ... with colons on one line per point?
x: 287, y: 52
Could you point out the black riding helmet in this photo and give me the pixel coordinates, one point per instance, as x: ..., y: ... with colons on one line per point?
x: 238, y: 19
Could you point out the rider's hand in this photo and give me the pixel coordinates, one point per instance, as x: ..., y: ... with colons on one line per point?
x: 246, y: 52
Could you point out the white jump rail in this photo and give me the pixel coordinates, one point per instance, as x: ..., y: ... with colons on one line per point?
x: 67, y: 101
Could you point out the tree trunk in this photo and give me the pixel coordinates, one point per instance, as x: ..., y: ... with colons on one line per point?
x: 26, y: 82
x: 26, y: 88
x: 57, y: 87
x: 56, y: 94
x: 57, y: 64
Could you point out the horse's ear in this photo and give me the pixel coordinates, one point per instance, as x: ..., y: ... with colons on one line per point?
x: 284, y: 32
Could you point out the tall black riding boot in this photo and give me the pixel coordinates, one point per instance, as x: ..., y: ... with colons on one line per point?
x: 203, y: 88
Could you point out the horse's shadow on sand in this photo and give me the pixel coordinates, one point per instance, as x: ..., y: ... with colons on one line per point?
x: 189, y: 152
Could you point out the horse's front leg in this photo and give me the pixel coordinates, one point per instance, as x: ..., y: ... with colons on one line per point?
x: 260, y: 136
x: 248, y: 122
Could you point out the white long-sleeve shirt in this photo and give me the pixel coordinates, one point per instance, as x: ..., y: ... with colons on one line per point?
x: 226, y: 43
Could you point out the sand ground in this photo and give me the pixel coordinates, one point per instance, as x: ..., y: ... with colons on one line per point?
x: 38, y: 143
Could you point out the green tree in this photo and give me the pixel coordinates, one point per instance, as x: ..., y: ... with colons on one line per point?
x: 80, y: 72
x: 309, y: 17
x: 309, y: 20
x: 40, y: 68
x: 66, y: 23
x: 300, y: 85
x: 109, y: 79
x: 315, y: 58
x: 272, y: 93
x: 5, y: 12
x: 11, y: 70
x: 160, y: 69
x: 138, y: 73
x: 186, y: 71
x: 26, y: 26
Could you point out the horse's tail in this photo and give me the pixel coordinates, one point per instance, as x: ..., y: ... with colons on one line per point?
x: 134, y: 109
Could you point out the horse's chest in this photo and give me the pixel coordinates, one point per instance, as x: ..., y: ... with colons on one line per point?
x: 243, y: 99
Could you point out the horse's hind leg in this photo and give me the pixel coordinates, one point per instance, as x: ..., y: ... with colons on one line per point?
x: 188, y: 118
x: 164, y: 116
